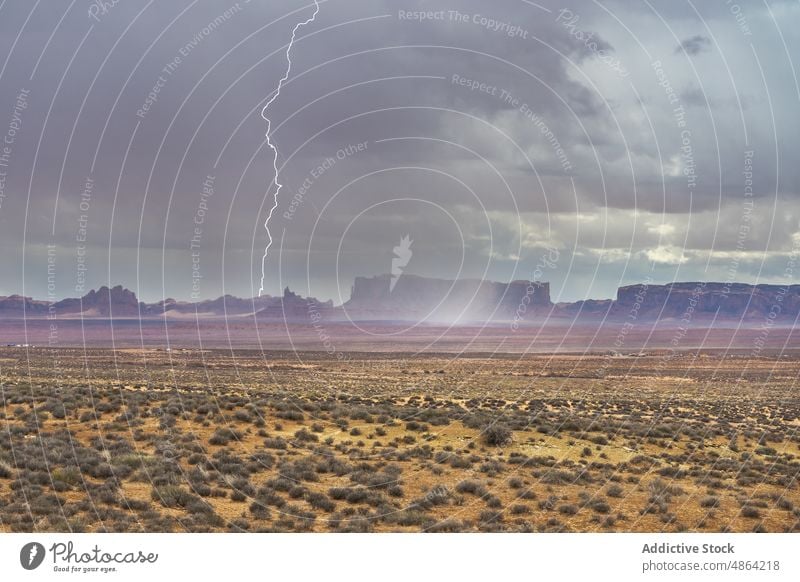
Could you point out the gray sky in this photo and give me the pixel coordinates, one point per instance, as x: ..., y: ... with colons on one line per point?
x: 637, y: 139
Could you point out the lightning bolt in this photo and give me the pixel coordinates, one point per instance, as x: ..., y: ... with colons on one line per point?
x: 278, y: 185
x: 32, y: 554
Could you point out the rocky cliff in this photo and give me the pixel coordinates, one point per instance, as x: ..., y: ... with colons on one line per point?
x: 120, y: 302
x: 17, y: 305
x: 116, y: 301
x: 724, y: 301
x: 293, y: 307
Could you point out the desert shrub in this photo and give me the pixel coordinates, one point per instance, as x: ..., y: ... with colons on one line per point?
x: 472, y: 487
x: 222, y: 436
x: 554, y: 525
x: 660, y: 487
x: 135, y: 504
x: 281, y: 484
x: 458, y: 462
x: 320, y: 501
x: 268, y: 496
x: 239, y: 524
x: 488, y: 517
x: 68, y: 475
x: 614, y: 491
x: 303, y: 435
x: 294, y: 415
x: 494, y: 502
x: 446, y: 526
x: 275, y: 443
x: 558, y: 477
x: 380, y: 480
x: 492, y: 468
x: 361, y: 414
x: 497, y: 435
x: 709, y: 501
x: 442, y: 456
x: 750, y: 512
x: 198, y: 506
x: 263, y: 460
x: 259, y: 510
x: 57, y: 410
x: 673, y: 472
x: 438, y: 495
x: 600, y: 506
x: 549, y: 503
x: 297, y: 492
x: 356, y: 495
x: 395, y: 491
x: 515, y: 483
x: 242, y: 416
x: 338, y: 493
x: 172, y: 496
x: 331, y: 464
x: 5, y: 471
x: 409, y: 517
x: 243, y: 485
x: 519, y: 509
x: 45, y: 505
x: 102, y: 471
x: 195, y: 458
x: 353, y: 525
x: 202, y: 489
x: 568, y: 509
x: 516, y: 458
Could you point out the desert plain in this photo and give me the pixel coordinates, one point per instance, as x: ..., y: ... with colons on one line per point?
x: 145, y: 439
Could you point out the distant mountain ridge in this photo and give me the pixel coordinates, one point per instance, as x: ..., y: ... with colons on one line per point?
x: 120, y: 302
x: 693, y: 301
x: 415, y: 298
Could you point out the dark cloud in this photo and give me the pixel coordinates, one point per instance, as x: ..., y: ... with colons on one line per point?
x: 694, y: 45
x: 492, y: 130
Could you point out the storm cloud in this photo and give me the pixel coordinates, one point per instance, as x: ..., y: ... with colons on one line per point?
x: 695, y: 45
x: 487, y: 133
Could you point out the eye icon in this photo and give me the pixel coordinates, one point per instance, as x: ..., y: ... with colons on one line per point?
x: 31, y: 555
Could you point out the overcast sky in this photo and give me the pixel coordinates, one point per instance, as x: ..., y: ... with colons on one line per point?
x: 629, y: 139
